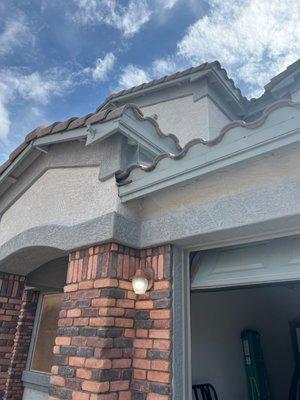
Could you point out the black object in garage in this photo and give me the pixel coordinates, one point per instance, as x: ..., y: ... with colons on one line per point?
x: 206, y: 390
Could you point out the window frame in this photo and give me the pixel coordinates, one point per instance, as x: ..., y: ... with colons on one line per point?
x: 35, y: 331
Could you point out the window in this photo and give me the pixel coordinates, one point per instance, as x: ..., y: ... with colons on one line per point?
x: 46, y: 333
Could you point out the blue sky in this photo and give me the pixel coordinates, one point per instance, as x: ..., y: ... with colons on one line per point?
x: 61, y: 58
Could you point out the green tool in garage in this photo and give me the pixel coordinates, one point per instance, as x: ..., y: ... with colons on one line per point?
x: 255, y: 367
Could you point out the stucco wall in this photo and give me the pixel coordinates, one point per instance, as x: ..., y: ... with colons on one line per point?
x: 189, y: 119
x: 217, y: 321
x: 63, y: 196
x: 296, y: 96
x: 217, y: 119
x: 277, y: 167
x: 183, y: 117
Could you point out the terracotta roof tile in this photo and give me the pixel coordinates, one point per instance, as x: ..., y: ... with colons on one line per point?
x: 168, y: 78
x: 62, y: 126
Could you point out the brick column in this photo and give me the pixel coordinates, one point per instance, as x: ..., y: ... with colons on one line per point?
x: 11, y: 289
x: 110, y: 345
x: 14, y: 386
x: 152, y: 362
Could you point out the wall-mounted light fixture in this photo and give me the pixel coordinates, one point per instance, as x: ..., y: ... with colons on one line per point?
x: 142, y: 280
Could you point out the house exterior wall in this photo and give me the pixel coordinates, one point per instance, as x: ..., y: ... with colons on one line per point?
x: 61, y: 196
x: 271, y: 170
x: 183, y: 117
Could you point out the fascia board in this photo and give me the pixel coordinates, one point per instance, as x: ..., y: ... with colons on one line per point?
x: 9, y: 170
x: 203, y: 161
x: 54, y: 138
x: 76, y: 134
x: 221, y: 82
x: 142, y: 133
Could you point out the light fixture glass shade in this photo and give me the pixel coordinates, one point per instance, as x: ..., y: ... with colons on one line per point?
x: 140, y: 284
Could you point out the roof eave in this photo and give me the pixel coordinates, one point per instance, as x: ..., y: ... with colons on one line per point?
x: 233, y: 94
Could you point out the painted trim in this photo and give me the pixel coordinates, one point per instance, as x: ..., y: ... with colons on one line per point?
x: 182, y: 381
x: 238, y: 148
x: 37, y: 381
x: 121, y: 176
x: 36, y: 325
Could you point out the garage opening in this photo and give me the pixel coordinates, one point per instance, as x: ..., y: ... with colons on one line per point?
x: 250, y: 289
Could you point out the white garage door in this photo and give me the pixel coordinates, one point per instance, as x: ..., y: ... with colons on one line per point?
x: 271, y: 261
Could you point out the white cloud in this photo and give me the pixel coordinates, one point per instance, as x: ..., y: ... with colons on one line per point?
x: 34, y: 88
x: 16, y: 33
x: 253, y: 39
x: 128, y: 19
x: 4, y: 115
x: 133, y: 76
x: 166, y: 4
x: 161, y: 67
x: 102, y: 67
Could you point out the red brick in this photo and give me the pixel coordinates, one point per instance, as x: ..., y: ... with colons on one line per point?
x: 144, y: 304
x: 159, y: 333
x: 162, y: 285
x: 155, y: 376
x: 95, y: 387
x: 83, y: 373
x: 142, y: 333
x: 141, y: 363
x: 95, y: 363
x: 73, y: 287
x: 103, y: 302
x: 119, y: 385
x: 160, y: 365
x: 160, y: 314
x: 139, y: 373
x: 125, y: 303
x: 86, y: 285
x: 63, y: 341
x: 107, y: 282
x: 76, y: 361
x: 121, y: 363
x: 124, y: 322
x: 162, y: 344
x: 111, y: 311
x: 103, y: 321
x: 80, y: 396
x: 143, y: 343
x: 57, y: 380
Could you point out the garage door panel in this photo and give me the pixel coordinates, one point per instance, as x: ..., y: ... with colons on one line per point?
x: 271, y: 261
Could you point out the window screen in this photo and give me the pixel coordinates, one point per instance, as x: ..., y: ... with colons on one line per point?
x: 46, y: 333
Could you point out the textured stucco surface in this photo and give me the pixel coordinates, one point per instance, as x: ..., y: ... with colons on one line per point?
x: 296, y: 96
x: 183, y: 117
x: 189, y: 119
x: 62, y: 196
x: 277, y: 167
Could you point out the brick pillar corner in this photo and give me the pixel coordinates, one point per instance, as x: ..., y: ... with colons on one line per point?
x: 19, y: 354
x: 11, y: 289
x: 152, y: 362
x: 93, y: 350
x: 111, y: 345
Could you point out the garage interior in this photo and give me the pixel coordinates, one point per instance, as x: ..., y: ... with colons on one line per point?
x: 254, y: 286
